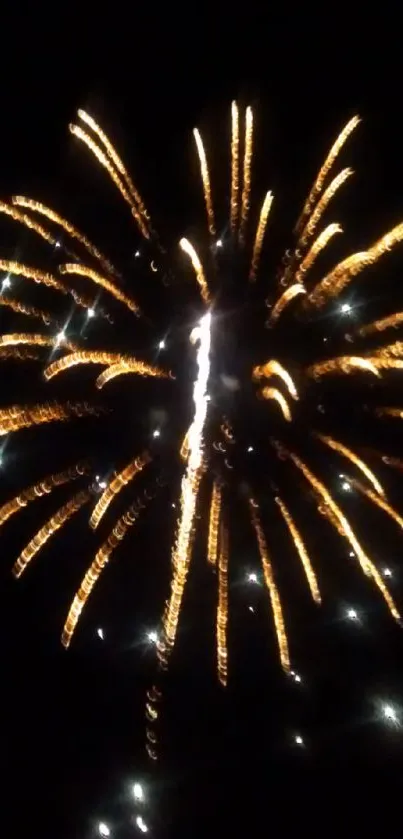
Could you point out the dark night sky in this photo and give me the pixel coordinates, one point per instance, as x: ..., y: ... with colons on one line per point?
x: 72, y: 725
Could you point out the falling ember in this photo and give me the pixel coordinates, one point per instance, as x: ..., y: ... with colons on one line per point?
x: 190, y: 488
x: 271, y: 585
x: 206, y: 181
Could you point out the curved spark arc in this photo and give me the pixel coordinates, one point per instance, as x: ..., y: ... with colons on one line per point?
x: 190, y: 488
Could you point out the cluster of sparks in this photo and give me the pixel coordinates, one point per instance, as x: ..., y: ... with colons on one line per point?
x: 274, y: 382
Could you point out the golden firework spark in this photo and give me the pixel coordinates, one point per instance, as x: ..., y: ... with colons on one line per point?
x: 260, y: 231
x: 206, y: 181
x: 247, y: 174
x: 115, y: 485
x: 234, y: 214
x: 301, y: 549
x: 215, y: 507
x: 188, y: 248
x: 222, y: 608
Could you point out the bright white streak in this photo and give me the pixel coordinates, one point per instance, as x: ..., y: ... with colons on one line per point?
x: 190, y: 482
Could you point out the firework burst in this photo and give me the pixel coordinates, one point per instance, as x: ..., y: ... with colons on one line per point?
x: 288, y: 386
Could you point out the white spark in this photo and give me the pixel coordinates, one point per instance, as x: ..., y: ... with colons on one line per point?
x: 389, y: 713
x: 345, y: 308
x: 250, y: 449
x: 141, y: 824
x: 137, y: 254
x: 6, y: 283
x: 251, y: 609
x: 252, y: 577
x: 90, y: 312
x: 219, y: 243
x: 138, y: 792
x: 60, y: 337
x: 298, y: 740
x: 100, y: 633
x: 156, y: 432
x: 346, y: 486
x: 351, y: 553
x: 103, y: 829
x: 161, y: 345
x: 352, y: 614
x: 387, y: 572
x: 152, y: 636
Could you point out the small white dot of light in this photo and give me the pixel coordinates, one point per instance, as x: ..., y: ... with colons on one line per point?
x: 351, y: 553
x: 346, y: 486
x: 141, y: 824
x: 389, y: 713
x: 341, y: 475
x: 298, y: 740
x: 250, y: 449
x: 387, y: 572
x: 152, y: 636
x: 345, y: 308
x: 90, y: 312
x: 156, y: 432
x: 161, y: 345
x: 137, y: 254
x: 6, y: 283
x: 352, y: 614
x: 208, y: 397
x: 251, y: 609
x: 219, y: 243
x: 57, y: 245
x: 252, y: 577
x: 103, y: 829
x: 102, y: 484
x: 138, y: 792
x: 60, y: 337
x: 100, y: 633
x: 97, y: 477
x: 297, y: 677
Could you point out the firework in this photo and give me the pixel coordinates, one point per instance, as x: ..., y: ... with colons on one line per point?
x: 289, y: 387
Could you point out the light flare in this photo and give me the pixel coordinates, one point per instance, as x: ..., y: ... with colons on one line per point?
x: 206, y: 181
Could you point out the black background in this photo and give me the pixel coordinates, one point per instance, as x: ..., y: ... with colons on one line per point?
x: 72, y: 725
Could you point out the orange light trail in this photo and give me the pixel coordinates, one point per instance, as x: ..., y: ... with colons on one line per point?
x: 85, y: 271
x: 188, y: 248
x: 301, y: 550
x: 247, y: 165
x: 222, y: 608
x: 44, y: 487
x: 115, y: 485
x: 273, y: 393
x: 234, y: 207
x: 260, y: 231
x: 205, y: 180
x: 214, y: 523
x: 17, y: 417
x: 52, y: 525
x: 289, y: 294
x: 272, y: 588
x: 350, y: 455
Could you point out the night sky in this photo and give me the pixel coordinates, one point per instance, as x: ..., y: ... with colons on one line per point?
x: 72, y: 724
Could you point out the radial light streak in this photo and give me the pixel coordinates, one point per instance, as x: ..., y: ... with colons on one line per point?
x: 325, y: 170
x: 97, y: 566
x: 188, y: 248
x: 354, y: 458
x: 321, y: 206
x: 214, y: 523
x: 56, y: 218
x: 317, y: 246
x: 274, y: 368
x: 20, y: 338
x: 117, y: 161
x: 301, y: 550
x: 392, y: 321
x: 260, y: 231
x: 272, y: 588
x: 55, y: 523
x: 344, y: 364
x: 16, y: 417
x: 115, y: 485
x: 117, y: 180
x: 247, y: 169
x: 273, y: 393
x: 379, y: 502
x: 222, y: 608
x: 30, y: 311
x: 206, y: 181
x: 98, y: 279
x: 334, y: 282
x: 234, y: 208
x: 44, y: 487
x: 190, y: 488
x: 343, y: 526
x: 130, y: 365
x: 285, y: 298
x: 43, y: 278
